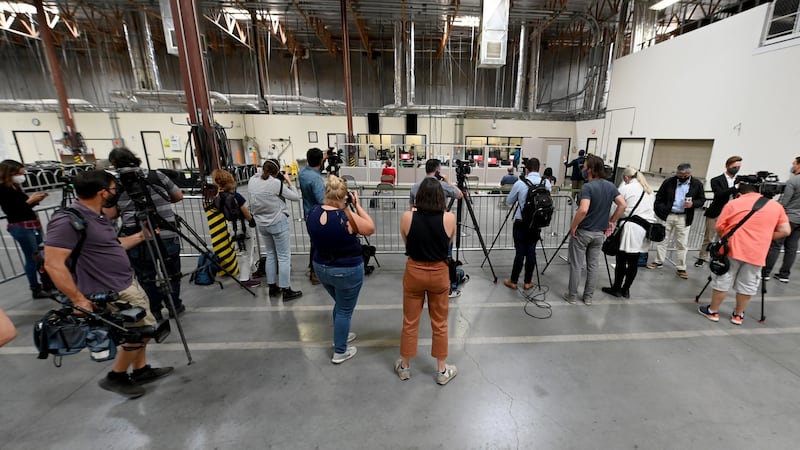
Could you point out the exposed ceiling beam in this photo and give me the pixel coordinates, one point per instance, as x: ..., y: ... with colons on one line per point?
x: 362, y: 30
x: 318, y: 26
x: 448, y: 26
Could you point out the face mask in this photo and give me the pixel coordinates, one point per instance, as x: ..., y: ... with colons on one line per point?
x: 19, y: 179
x: 733, y: 171
x: 585, y: 174
x: 683, y: 180
x: 112, y: 201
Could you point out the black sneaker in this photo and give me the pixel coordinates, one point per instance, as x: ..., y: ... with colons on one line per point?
x: 699, y: 262
x: 289, y: 294
x: 781, y: 278
x: 149, y: 374
x: 180, y: 309
x: 40, y: 293
x: 611, y: 291
x: 122, y: 384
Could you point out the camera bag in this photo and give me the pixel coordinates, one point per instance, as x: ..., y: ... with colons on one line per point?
x: 612, y: 243
x: 59, y: 333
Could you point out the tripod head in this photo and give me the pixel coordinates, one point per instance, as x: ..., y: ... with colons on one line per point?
x: 462, y: 170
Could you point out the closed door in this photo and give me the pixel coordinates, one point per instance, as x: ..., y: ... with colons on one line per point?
x: 154, y: 150
x: 555, y: 151
x: 35, y: 146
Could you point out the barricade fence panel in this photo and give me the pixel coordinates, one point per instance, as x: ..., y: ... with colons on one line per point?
x: 493, y: 219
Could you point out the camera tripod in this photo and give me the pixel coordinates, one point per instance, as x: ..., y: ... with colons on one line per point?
x: 467, y: 200
x: 763, y: 290
x: 563, y: 241
x: 511, y: 212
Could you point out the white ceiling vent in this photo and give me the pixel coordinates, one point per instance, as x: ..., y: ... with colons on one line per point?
x: 494, y: 33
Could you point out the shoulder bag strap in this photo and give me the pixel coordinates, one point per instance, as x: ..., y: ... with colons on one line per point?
x: 758, y: 205
x: 625, y: 219
x: 350, y: 219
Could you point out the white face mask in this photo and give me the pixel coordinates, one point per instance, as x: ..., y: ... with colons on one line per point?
x: 19, y: 179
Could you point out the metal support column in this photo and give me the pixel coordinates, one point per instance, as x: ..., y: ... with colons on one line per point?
x: 348, y: 94
x: 71, y: 135
x: 185, y: 14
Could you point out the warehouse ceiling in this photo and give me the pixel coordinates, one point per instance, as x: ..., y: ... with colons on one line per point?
x: 316, y: 24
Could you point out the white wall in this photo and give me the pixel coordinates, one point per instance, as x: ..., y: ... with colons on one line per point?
x: 712, y: 83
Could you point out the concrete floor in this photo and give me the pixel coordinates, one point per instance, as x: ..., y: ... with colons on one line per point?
x: 642, y: 373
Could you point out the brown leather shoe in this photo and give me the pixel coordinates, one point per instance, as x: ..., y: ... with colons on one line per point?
x: 509, y: 284
x: 528, y: 286
x: 313, y: 278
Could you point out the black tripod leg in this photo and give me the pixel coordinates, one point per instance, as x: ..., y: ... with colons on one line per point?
x: 497, y: 236
x: 697, y: 298
x: 156, y: 250
x: 555, y: 253
x: 763, y: 292
x: 608, y: 269
x: 478, y: 232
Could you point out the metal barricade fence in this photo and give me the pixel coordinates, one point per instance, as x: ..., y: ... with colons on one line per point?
x: 492, y: 216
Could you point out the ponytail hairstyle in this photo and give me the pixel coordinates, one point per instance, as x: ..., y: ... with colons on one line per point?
x: 269, y: 169
x: 633, y: 173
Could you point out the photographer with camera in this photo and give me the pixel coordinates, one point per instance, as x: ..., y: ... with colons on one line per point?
x: 338, y: 256
x: 747, y: 247
x: 268, y: 206
x: 790, y: 199
x: 312, y: 189
x: 163, y: 192
x: 84, y: 255
x: 432, y: 167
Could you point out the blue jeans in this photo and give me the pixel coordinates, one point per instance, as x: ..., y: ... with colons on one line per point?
x: 343, y: 284
x: 277, y: 240
x: 146, y: 272
x: 29, y: 242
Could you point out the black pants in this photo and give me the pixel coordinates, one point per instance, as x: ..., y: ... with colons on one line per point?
x: 145, y: 270
x: 524, y: 251
x: 627, y: 268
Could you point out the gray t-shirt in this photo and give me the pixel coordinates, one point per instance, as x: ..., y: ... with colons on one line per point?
x: 127, y: 209
x: 601, y: 194
x: 102, y: 264
x: 450, y: 191
x: 790, y: 199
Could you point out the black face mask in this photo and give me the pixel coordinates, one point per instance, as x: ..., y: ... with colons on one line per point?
x: 683, y: 180
x: 733, y: 171
x: 112, y: 201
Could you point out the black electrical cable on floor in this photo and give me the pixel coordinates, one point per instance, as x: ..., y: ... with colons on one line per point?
x: 536, y: 297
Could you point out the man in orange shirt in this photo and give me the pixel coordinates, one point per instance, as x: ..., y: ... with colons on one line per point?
x: 748, y: 249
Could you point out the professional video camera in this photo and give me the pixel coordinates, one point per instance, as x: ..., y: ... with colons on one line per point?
x: 335, y: 160
x: 133, y: 181
x: 60, y: 332
x: 766, y: 183
x: 462, y: 168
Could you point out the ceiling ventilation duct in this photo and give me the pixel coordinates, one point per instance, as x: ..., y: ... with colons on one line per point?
x: 494, y: 34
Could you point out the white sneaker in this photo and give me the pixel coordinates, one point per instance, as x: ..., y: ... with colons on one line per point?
x: 450, y: 372
x: 403, y: 372
x: 339, y: 358
x: 350, y: 338
x: 454, y: 293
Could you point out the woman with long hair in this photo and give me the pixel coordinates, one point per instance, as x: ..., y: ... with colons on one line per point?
x: 268, y: 196
x: 23, y: 223
x: 427, y: 232
x: 633, y: 240
x: 338, y: 259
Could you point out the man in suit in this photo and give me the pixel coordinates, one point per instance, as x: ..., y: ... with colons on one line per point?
x: 722, y: 187
x: 675, y: 203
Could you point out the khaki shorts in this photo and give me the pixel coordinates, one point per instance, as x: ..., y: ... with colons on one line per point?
x: 743, y: 276
x: 134, y: 295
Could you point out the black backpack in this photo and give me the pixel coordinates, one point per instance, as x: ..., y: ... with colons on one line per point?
x: 226, y: 203
x: 537, y: 212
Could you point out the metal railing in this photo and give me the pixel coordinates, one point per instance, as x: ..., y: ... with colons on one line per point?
x: 492, y: 217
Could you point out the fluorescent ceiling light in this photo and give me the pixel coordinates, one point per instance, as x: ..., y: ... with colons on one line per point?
x: 663, y: 4
x: 23, y: 8
x: 467, y: 21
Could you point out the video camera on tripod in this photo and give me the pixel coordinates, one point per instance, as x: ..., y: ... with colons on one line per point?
x: 133, y: 181
x: 335, y: 160
x: 463, y: 168
x: 60, y: 332
x: 767, y: 183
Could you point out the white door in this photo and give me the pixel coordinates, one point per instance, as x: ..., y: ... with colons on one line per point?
x: 555, y: 152
x: 154, y: 151
x: 35, y: 146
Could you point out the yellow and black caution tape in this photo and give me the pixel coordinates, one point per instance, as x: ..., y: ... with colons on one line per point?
x: 221, y: 241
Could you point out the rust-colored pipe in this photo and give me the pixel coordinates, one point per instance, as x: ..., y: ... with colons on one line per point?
x: 348, y: 93
x: 184, y: 15
x: 58, y: 81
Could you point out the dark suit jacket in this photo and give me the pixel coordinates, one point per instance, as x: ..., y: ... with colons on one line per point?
x: 666, y: 196
x: 722, y: 194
